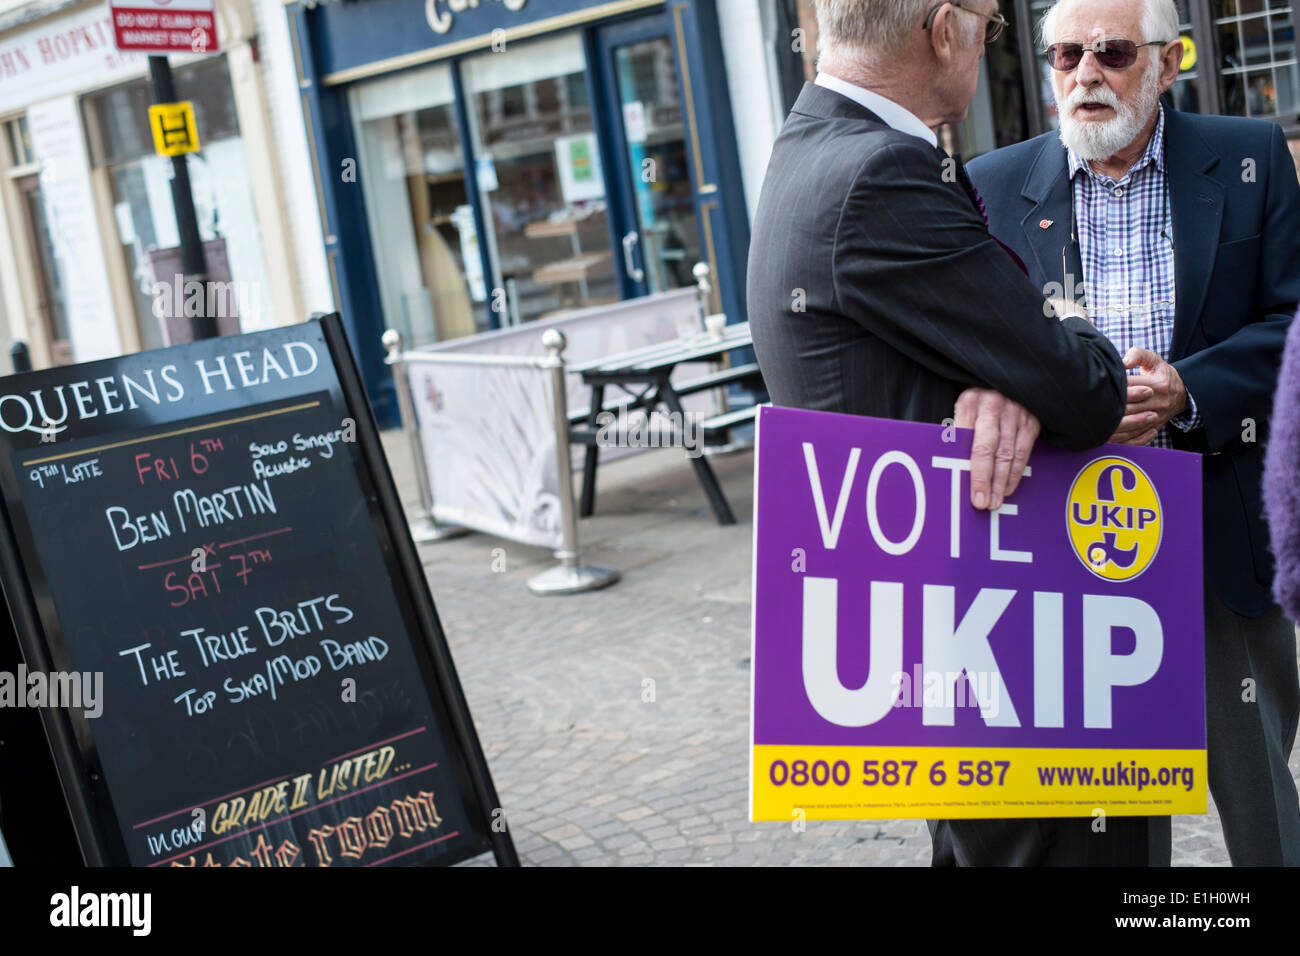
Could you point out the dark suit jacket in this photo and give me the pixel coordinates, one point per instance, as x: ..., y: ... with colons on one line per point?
x: 1236, y: 212
x: 875, y: 289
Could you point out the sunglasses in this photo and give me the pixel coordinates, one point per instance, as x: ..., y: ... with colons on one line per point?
x: 1112, y: 54
x: 992, y: 30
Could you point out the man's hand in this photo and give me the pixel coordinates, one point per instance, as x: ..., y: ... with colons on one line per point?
x: 1154, y: 397
x: 1063, y: 307
x: 1005, y: 433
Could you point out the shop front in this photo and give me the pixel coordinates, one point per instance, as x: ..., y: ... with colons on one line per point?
x: 484, y: 164
x: 88, y: 233
x: 58, y: 280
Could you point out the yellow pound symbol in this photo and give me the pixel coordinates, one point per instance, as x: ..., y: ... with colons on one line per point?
x: 1114, y: 519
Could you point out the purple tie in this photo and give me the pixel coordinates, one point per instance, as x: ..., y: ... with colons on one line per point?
x: 984, y: 211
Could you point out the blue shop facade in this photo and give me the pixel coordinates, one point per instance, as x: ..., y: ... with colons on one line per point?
x: 484, y: 163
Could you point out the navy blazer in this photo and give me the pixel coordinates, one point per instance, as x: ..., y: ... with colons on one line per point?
x: 1236, y: 210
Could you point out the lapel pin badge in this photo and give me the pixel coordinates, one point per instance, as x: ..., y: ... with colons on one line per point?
x: 1045, y: 224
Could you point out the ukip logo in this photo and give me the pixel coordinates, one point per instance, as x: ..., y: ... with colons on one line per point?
x: 1114, y: 519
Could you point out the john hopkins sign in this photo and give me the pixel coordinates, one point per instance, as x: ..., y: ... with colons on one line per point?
x: 914, y: 657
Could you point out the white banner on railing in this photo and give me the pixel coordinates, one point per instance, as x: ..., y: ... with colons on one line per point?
x: 488, y: 434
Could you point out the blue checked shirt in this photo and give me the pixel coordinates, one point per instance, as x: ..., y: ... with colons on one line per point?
x: 1126, y: 243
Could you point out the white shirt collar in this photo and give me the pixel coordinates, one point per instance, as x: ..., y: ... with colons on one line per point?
x: 896, y: 116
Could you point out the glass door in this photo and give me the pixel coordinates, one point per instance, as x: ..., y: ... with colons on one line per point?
x: 659, y: 236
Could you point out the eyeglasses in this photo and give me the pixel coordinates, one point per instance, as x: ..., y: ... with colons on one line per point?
x: 1112, y: 54
x: 996, y: 21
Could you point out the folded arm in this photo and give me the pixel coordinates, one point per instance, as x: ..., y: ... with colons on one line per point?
x: 915, y: 266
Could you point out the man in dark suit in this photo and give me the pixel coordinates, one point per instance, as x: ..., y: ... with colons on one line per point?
x: 1182, y: 232
x: 874, y: 288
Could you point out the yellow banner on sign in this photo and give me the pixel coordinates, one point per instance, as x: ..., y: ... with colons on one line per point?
x: 174, y: 131
x: 894, y: 783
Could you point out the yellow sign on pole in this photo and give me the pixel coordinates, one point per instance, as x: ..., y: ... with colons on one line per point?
x: 174, y: 132
x: 1189, y: 54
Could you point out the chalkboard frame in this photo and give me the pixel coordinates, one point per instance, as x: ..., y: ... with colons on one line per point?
x: 88, y: 800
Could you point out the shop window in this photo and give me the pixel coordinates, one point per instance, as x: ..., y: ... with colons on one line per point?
x: 1046, y: 93
x: 427, y: 253
x: 575, y: 85
x: 548, y: 96
x: 1257, y: 56
x: 780, y: 20
x: 511, y: 102
x: 1184, y: 92
x: 539, y: 178
x: 141, y: 188
x: 20, y: 142
x: 124, y: 110
x: 997, y: 116
x: 1006, y: 88
x: 53, y: 272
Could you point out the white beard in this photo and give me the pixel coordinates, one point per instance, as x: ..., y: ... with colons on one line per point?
x: 1100, y: 140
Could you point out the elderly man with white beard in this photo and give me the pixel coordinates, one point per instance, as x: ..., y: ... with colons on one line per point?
x: 1182, y: 235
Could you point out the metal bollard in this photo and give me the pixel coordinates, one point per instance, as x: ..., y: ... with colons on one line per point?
x: 570, y: 576
x: 21, y: 357
x: 704, y: 293
x: 424, y: 527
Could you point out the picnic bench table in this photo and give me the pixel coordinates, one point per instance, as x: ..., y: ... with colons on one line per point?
x: 644, y: 378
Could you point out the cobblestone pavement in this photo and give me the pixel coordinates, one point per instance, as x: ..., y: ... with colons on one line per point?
x: 587, y: 771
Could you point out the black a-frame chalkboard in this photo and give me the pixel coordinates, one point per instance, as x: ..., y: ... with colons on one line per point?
x: 224, y: 624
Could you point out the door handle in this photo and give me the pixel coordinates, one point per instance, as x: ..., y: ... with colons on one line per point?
x: 629, y: 243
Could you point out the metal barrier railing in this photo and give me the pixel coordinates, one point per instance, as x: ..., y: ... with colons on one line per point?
x: 424, y: 526
x: 570, y: 576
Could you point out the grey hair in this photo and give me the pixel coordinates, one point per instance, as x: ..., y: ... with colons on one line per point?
x: 1159, y: 22
x: 883, y: 25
